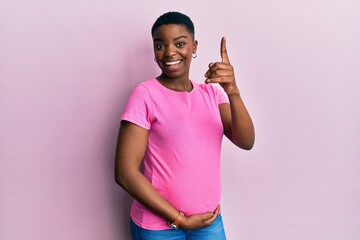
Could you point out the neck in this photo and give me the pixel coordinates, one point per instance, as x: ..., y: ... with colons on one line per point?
x: 176, y: 84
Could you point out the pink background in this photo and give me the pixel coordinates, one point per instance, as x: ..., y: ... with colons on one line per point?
x: 67, y: 68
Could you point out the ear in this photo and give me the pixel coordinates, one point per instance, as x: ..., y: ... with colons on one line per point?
x: 195, y: 45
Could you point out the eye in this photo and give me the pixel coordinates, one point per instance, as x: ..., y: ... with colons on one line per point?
x: 159, y: 46
x: 180, y: 44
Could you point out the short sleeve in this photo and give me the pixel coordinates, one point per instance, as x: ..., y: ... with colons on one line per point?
x: 138, y: 108
x: 221, y: 97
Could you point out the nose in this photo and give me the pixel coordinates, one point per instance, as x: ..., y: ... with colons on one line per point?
x: 170, y: 51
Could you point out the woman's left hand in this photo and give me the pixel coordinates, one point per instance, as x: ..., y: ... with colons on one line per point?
x: 222, y: 72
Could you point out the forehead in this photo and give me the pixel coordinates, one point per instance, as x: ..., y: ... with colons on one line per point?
x: 171, y: 31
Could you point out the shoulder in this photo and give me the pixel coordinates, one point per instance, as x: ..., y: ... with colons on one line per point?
x: 209, y: 88
x: 141, y: 93
x: 213, y: 91
x: 148, y: 84
x: 144, y: 88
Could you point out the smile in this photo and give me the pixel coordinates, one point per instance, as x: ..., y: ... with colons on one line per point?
x: 173, y: 63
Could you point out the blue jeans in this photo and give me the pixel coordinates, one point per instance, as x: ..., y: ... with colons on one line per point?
x: 213, y: 232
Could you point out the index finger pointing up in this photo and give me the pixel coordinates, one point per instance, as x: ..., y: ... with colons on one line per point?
x: 223, y: 51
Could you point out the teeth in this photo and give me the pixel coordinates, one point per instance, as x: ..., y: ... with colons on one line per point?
x: 172, y: 63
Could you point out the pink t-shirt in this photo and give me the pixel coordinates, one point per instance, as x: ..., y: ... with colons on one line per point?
x: 182, y: 160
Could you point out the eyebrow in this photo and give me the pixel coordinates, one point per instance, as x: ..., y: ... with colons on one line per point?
x: 174, y: 39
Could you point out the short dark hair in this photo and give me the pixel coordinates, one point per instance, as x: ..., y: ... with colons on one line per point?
x: 174, y: 18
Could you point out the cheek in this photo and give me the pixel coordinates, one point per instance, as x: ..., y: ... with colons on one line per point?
x: 156, y: 53
x: 187, y: 52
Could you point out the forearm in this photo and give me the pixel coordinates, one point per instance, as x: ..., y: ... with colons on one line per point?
x: 242, y: 128
x: 138, y: 186
x: 131, y: 147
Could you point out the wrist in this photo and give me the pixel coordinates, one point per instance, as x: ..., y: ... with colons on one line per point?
x: 235, y: 94
x: 234, y: 91
x: 176, y: 223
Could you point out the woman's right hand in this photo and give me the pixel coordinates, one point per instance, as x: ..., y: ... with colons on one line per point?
x: 196, y: 221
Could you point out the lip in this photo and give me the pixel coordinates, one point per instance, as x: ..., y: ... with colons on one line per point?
x: 172, y: 63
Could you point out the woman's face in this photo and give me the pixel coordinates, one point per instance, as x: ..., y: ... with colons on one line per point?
x: 173, y: 48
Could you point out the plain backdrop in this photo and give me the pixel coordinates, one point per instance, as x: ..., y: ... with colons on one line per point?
x: 67, y: 68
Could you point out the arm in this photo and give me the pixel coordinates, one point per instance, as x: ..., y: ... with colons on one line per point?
x: 238, y: 126
x: 131, y: 147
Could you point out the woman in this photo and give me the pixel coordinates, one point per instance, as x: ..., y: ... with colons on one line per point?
x: 174, y: 127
